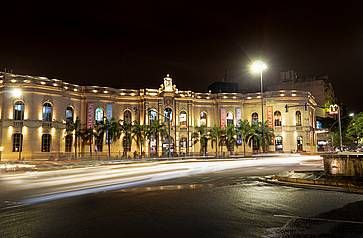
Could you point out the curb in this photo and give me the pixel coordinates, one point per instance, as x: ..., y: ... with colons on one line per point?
x: 311, y: 185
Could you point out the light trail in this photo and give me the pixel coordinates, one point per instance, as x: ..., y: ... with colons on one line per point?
x: 46, y: 186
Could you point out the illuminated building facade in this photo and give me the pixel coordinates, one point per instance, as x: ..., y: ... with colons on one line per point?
x: 35, y: 111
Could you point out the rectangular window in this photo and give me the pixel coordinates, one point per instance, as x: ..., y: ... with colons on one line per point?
x: 46, y: 141
x: 69, y: 140
x: 17, y: 142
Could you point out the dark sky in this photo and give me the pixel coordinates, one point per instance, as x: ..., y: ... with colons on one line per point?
x: 134, y: 45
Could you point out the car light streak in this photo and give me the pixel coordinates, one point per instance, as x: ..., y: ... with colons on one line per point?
x: 52, y: 185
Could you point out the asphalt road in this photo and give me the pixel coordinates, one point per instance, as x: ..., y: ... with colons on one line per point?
x: 203, y: 199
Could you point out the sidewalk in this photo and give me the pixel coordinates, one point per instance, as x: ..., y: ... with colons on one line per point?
x: 317, y: 180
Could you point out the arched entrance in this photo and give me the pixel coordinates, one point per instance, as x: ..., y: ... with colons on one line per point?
x: 166, y: 145
x: 299, y: 142
x: 278, y: 143
x: 183, y: 145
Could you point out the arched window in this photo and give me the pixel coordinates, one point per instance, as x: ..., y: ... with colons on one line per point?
x: 230, y: 118
x: 203, y: 118
x: 18, y: 111
x: 127, y: 116
x: 278, y: 143
x: 277, y: 116
x: 255, y: 117
x: 68, y: 143
x: 153, y: 116
x: 17, y: 142
x: 46, y: 142
x: 99, y: 115
x: 47, y: 112
x: 298, y: 118
x: 168, y: 115
x: 69, y: 114
x: 183, y: 119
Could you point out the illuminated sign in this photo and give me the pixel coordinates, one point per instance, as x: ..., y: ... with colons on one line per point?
x: 90, y: 115
x: 109, y: 111
x: 333, y: 109
x: 238, y: 114
x: 223, y: 117
x: 270, y: 117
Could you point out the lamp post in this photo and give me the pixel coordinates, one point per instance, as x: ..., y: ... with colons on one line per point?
x: 340, y: 126
x: 257, y: 67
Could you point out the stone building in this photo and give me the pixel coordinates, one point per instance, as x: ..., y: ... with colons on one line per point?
x: 35, y: 111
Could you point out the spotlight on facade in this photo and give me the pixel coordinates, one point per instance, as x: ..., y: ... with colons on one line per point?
x: 16, y: 92
x: 258, y: 66
x: 351, y: 114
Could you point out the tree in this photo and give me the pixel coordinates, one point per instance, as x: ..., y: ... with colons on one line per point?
x: 138, y: 134
x: 76, y: 127
x: 262, y: 139
x: 112, y: 130
x: 230, y: 138
x: 201, y: 135
x: 355, y: 129
x: 154, y: 130
x: 267, y: 135
x: 245, y: 130
x: 215, y: 134
x: 87, y: 136
x: 126, y: 129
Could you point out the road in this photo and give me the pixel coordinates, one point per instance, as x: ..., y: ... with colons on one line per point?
x: 190, y: 199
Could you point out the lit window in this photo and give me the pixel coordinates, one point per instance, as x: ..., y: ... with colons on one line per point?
x: 183, y: 119
x: 19, y: 110
x: 298, y: 118
x: 168, y: 115
x: 203, y: 118
x: 230, y: 118
x: 69, y: 114
x: 46, y: 141
x: 153, y: 116
x: 277, y: 116
x: 255, y: 117
x: 127, y: 117
x: 99, y: 115
x: 17, y: 142
x: 47, y: 112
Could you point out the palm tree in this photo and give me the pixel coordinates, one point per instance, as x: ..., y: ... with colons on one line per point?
x: 138, y: 134
x: 245, y: 130
x: 154, y: 130
x: 126, y: 129
x: 256, y: 135
x: 230, y: 138
x: 87, y: 136
x: 268, y: 135
x: 112, y: 129
x: 76, y: 127
x: 201, y: 135
x: 215, y: 133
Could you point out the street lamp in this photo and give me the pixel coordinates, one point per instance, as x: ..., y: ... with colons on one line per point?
x: 340, y: 127
x: 257, y: 67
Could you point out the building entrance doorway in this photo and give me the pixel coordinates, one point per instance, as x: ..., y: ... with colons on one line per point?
x: 166, y: 146
x: 299, y: 143
x: 278, y: 143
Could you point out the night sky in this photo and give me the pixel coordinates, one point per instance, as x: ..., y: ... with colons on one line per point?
x: 134, y: 45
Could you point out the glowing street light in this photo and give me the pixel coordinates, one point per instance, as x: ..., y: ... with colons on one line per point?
x: 257, y: 67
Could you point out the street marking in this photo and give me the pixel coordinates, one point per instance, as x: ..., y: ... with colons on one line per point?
x: 319, y: 219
